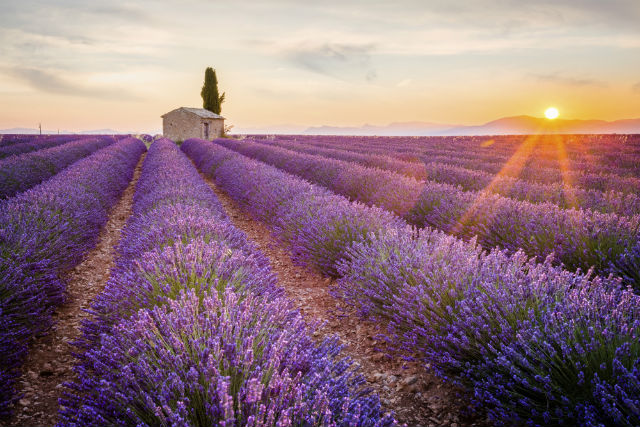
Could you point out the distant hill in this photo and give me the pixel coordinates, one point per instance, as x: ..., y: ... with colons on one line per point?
x: 505, y: 126
x: 269, y: 130
x: 401, y: 128
x: 530, y: 125
x: 20, y: 131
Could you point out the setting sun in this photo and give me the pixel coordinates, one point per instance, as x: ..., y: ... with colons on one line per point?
x: 551, y: 113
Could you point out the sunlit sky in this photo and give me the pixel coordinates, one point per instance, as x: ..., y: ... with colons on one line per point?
x: 79, y: 65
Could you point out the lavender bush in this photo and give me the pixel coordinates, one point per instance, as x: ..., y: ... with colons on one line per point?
x: 34, y: 143
x: 538, y: 345
x: 317, y: 224
x: 558, y: 193
x: 19, y: 173
x: 12, y: 352
x: 602, y: 162
x: 159, y: 275
x: 445, y: 298
x: 218, y: 359
x: 191, y: 328
x: 46, y: 231
x: 177, y: 238
x: 627, y: 265
x: 15, y: 138
x: 535, y: 343
x: 579, y: 362
x: 578, y: 238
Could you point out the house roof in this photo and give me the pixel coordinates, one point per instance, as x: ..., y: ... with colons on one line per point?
x: 201, y: 112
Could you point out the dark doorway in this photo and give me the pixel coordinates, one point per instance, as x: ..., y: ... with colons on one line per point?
x: 206, y: 130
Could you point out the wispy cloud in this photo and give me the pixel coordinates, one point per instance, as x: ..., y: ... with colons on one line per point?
x: 49, y: 82
x: 507, y: 16
x: 565, y: 80
x: 124, y: 12
x: 340, y: 60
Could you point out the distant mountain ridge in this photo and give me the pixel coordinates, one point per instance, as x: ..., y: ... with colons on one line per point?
x: 398, y: 128
x: 515, y: 125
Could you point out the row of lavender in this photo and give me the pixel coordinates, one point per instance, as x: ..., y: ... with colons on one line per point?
x: 523, y: 166
x: 15, y: 138
x: 192, y: 329
x: 35, y: 144
x: 563, y: 195
x: 44, y: 232
x: 530, y: 170
x: 579, y: 153
x: 536, y: 344
x: 594, y: 152
x: 578, y: 238
x: 576, y: 146
x: 19, y: 173
x: 546, y: 151
x: 7, y: 140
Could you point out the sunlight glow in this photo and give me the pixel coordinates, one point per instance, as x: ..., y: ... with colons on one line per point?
x: 487, y: 143
x: 512, y: 168
x: 551, y: 113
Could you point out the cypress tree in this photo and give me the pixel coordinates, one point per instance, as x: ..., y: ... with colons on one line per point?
x: 211, y: 98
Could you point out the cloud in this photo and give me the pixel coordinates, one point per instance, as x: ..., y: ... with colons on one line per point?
x: 46, y: 81
x: 340, y: 60
x: 560, y: 79
x: 404, y: 83
x: 124, y: 12
x: 507, y: 16
x: 636, y: 87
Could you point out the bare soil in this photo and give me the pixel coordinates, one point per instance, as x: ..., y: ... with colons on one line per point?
x: 50, y: 361
x: 417, y: 396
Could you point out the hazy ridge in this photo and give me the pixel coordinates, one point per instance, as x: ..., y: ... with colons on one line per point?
x: 504, y: 126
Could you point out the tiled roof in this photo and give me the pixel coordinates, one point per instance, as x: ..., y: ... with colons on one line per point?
x: 201, y: 112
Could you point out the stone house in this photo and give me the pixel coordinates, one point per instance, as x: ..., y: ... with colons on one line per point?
x: 185, y: 122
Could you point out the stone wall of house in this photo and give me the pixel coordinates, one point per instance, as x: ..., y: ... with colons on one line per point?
x: 216, y: 128
x: 180, y: 125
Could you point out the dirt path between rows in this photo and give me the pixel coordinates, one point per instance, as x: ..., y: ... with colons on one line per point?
x: 50, y: 361
x: 417, y: 397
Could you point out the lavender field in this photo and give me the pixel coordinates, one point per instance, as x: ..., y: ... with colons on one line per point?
x: 503, y: 271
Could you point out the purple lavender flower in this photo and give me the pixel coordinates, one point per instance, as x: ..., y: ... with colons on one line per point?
x: 534, y: 342
x: 191, y: 328
x: 218, y: 359
x: 563, y: 195
x: 19, y: 173
x: 317, y: 224
x: 46, y: 231
x: 33, y: 143
x: 580, y: 239
x: 579, y: 362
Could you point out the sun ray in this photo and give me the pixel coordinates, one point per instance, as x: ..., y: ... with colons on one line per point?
x: 513, y: 167
x: 565, y: 171
x: 487, y: 143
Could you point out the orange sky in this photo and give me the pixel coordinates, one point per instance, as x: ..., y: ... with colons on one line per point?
x: 91, y: 65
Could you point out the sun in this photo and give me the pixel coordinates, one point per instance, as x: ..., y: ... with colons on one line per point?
x: 551, y: 113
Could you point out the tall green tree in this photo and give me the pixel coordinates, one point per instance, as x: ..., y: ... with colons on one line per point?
x: 211, y: 98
